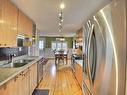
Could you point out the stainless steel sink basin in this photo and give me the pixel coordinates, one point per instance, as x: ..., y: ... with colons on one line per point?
x: 23, y: 61
x: 17, y: 63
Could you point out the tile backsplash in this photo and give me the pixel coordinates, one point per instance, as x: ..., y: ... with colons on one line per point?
x: 4, y: 52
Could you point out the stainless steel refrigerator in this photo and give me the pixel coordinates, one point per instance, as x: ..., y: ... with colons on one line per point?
x: 104, y: 51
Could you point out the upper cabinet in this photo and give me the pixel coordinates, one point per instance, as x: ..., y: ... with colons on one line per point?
x: 8, y: 24
x: 79, y: 35
x: 25, y: 25
x: 21, y: 22
x: 13, y: 23
x: 29, y: 28
x: 79, y: 38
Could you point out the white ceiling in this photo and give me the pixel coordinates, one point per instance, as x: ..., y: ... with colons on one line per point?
x: 45, y: 14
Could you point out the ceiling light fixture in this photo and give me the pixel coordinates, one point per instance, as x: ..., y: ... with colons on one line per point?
x: 62, y: 6
x: 60, y: 24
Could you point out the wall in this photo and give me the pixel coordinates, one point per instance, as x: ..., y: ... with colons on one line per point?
x: 47, y: 51
x: 48, y: 41
x: 4, y: 52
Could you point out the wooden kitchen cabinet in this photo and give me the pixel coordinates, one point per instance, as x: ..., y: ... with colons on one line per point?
x: 1, y: 21
x: 25, y: 25
x: 33, y: 77
x: 11, y: 87
x: 8, y: 24
x: 25, y: 28
x: 21, y: 23
x: 4, y: 90
x: 29, y: 28
x: 12, y: 23
x: 25, y: 82
x: 78, y: 74
x: 17, y: 86
x: 22, y: 84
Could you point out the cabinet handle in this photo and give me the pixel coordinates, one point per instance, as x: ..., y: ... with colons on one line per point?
x: 24, y: 74
x: 5, y: 86
x: 15, y: 78
x: 5, y: 44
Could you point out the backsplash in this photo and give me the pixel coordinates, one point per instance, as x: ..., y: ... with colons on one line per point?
x: 4, y: 52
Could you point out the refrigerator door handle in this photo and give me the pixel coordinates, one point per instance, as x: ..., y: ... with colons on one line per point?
x: 88, y: 53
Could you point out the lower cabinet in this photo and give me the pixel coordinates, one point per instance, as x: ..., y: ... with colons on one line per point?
x: 25, y: 82
x: 12, y: 87
x: 8, y: 88
x: 22, y: 84
x: 78, y: 74
x: 33, y: 77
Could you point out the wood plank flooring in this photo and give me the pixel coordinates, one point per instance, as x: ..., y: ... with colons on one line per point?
x: 60, y: 81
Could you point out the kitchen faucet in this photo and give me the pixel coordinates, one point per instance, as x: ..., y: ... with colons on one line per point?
x: 10, y: 58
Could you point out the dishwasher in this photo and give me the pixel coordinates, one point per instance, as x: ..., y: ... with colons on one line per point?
x: 40, y: 70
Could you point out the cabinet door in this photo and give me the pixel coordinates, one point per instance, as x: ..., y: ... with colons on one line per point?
x: 3, y: 90
x: 33, y: 78
x: 25, y: 82
x: 8, y: 88
x: 8, y: 24
x: 30, y: 28
x: 17, y: 85
x: 12, y: 14
x: 78, y: 74
x: 21, y: 23
x: 2, y: 22
x: 13, y: 87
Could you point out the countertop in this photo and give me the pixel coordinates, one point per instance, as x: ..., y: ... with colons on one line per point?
x: 80, y: 62
x: 7, y: 74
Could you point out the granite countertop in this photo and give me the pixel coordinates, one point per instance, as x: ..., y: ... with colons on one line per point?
x: 7, y: 74
x: 80, y: 62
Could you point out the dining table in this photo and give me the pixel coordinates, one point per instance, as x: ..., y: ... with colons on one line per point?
x: 61, y: 55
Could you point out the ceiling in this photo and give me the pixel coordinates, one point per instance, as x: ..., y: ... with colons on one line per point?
x: 45, y: 14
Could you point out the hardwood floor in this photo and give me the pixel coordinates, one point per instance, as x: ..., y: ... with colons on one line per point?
x: 60, y: 81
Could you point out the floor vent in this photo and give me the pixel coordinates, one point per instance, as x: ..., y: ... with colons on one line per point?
x: 41, y: 92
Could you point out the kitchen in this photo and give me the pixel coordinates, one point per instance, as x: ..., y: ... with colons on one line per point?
x: 96, y: 49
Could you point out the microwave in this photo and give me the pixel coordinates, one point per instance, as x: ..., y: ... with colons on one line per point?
x: 20, y: 40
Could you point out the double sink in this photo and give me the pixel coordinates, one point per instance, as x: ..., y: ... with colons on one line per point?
x: 17, y: 63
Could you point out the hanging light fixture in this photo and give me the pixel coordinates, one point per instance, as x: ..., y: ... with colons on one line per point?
x: 62, y: 6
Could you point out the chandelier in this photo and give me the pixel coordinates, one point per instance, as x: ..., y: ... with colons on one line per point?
x: 62, y: 6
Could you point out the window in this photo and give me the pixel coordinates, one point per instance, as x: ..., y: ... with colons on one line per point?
x: 41, y: 44
x: 53, y: 45
x: 64, y: 45
x: 58, y: 45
